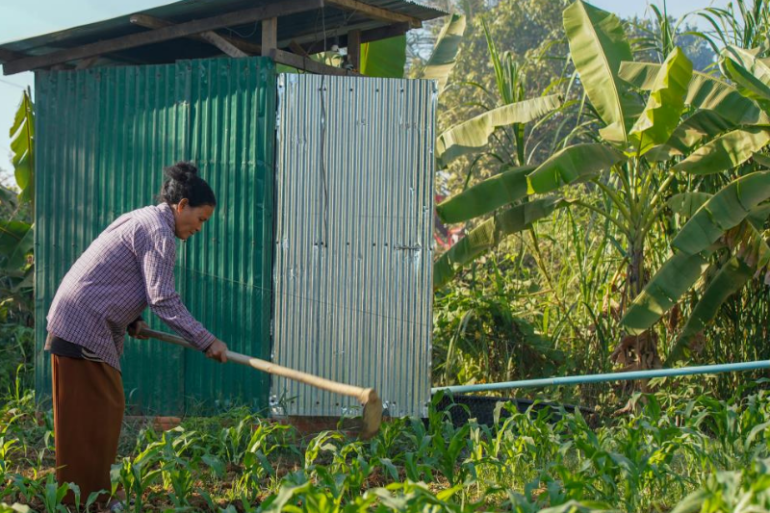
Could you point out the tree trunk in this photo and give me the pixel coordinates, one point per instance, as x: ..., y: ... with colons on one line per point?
x: 639, y: 352
x: 635, y: 276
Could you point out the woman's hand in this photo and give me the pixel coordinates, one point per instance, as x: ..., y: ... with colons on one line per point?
x: 217, y: 351
x: 136, y: 328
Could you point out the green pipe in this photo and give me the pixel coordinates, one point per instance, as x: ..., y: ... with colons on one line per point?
x: 614, y: 376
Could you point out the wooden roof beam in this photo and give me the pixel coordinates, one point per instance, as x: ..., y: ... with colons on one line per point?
x: 282, y: 8
x: 232, y: 46
x: 8, y: 55
x: 376, y: 13
x: 367, y: 36
x: 307, y: 64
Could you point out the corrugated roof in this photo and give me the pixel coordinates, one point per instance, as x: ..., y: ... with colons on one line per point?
x: 302, y: 28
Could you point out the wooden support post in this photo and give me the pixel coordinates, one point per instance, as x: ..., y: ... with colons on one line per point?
x: 269, y: 35
x: 354, y: 49
x: 185, y: 29
x: 232, y: 46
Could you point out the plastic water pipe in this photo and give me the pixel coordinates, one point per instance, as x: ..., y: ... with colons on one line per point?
x: 615, y: 376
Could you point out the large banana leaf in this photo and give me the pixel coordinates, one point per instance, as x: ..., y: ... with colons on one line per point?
x: 704, y: 92
x: 641, y: 75
x: 16, y: 242
x: 751, y: 247
x: 730, y: 278
x: 762, y: 160
x: 702, y: 126
x: 442, y: 60
x: 487, y: 196
x: 758, y: 215
x: 598, y: 45
x: 725, y: 210
x: 384, y: 58
x: 572, y: 164
x: 687, y: 203
x: 674, y: 278
x: 22, y: 147
x: 726, y: 152
x: 665, y: 104
x: 707, y: 92
x: 751, y: 75
x: 472, y: 135
x: 751, y: 257
x: 489, y: 234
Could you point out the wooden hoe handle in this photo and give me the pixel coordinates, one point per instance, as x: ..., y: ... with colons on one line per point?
x: 362, y: 394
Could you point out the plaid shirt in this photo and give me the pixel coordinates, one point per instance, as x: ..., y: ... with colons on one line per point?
x: 128, y: 267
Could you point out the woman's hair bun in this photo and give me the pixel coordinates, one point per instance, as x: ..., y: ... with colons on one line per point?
x: 181, y: 171
x: 182, y: 182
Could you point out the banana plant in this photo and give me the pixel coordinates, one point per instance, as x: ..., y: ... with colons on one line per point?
x: 505, y: 123
x: 504, y: 116
x: 661, y: 128
x: 628, y: 129
x: 722, y: 245
x: 22, y: 135
x: 17, y: 235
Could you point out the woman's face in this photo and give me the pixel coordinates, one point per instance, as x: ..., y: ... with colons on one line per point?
x: 189, y: 220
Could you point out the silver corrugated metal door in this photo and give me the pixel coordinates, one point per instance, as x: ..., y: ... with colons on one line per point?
x: 353, y: 260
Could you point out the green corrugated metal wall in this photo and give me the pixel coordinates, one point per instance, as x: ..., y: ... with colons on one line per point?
x: 104, y: 136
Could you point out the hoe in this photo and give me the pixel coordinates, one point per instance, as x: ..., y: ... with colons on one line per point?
x: 366, y: 396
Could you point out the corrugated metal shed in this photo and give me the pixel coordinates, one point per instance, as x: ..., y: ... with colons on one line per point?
x: 103, y: 138
x: 301, y: 28
x: 353, y: 261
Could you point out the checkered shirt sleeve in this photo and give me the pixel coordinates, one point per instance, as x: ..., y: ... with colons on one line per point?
x: 156, y: 254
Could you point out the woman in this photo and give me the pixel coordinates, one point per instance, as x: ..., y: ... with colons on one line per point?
x: 128, y: 267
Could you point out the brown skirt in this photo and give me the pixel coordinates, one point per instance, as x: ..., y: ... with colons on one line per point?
x: 88, y: 404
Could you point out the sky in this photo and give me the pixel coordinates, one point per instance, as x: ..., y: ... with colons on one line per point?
x: 19, y: 20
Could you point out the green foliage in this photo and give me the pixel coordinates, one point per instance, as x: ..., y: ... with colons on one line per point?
x: 489, y: 234
x: 572, y: 165
x: 481, y: 335
x: 444, y: 55
x: 598, y: 45
x: 684, y: 135
x: 384, y: 58
x: 22, y: 135
x: 726, y: 151
x: 750, y: 74
x: 16, y: 245
x: 487, y: 196
x: 665, y: 104
x: 472, y: 135
x: 673, y: 450
x: 723, y: 211
x: 729, y: 279
x: 670, y: 282
x: 387, y: 57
